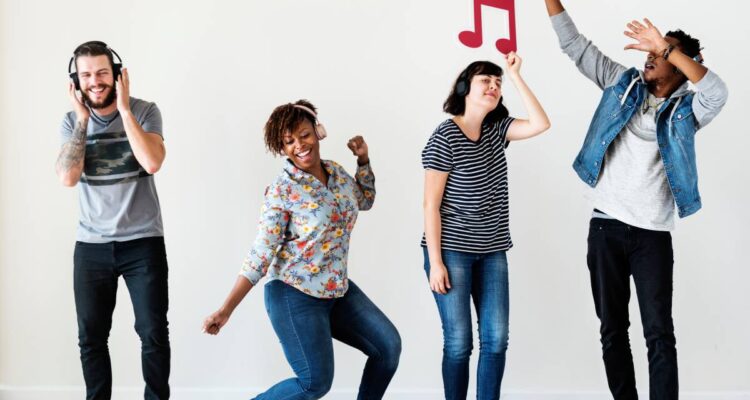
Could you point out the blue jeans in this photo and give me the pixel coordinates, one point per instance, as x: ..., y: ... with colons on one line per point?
x: 96, y: 269
x: 306, y: 326
x: 483, y: 278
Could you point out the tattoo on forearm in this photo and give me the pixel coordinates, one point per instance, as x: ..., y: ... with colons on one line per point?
x: 74, y: 150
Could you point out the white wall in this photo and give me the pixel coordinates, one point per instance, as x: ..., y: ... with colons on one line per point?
x: 382, y: 69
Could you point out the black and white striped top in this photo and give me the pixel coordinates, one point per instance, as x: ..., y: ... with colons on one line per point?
x: 474, y: 209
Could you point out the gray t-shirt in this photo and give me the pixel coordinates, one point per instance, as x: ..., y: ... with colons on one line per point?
x: 117, y: 197
x: 633, y: 186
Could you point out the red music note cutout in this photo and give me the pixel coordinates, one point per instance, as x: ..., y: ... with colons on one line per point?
x: 474, y: 38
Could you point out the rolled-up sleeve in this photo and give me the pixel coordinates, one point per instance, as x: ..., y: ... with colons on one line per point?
x: 274, y: 218
x: 366, y: 184
x: 711, y: 95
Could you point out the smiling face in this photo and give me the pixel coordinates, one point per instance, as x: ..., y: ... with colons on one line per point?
x: 485, y: 92
x: 97, y: 81
x: 302, y: 147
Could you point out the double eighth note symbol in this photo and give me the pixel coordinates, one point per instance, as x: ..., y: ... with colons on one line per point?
x: 473, y: 38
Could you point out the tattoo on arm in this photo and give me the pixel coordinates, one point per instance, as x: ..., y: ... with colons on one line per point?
x: 74, y: 150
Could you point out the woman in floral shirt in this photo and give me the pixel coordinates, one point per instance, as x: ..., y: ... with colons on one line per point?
x: 302, y: 245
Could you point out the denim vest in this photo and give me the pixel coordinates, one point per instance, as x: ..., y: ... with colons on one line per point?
x: 675, y: 133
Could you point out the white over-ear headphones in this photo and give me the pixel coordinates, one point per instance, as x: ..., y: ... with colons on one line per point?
x: 320, y: 130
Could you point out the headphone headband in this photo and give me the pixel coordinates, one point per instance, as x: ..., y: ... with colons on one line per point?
x: 320, y: 130
x: 93, y: 43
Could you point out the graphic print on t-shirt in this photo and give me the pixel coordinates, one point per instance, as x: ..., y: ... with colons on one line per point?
x: 110, y: 160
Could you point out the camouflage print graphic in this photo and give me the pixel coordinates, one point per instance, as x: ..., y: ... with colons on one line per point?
x: 110, y: 160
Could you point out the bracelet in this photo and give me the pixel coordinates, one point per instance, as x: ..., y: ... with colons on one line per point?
x: 667, y: 51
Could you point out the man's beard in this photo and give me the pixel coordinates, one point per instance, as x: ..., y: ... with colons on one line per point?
x: 111, y: 97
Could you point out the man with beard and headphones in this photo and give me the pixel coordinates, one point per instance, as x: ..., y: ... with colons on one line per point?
x: 112, y: 145
x: 638, y: 159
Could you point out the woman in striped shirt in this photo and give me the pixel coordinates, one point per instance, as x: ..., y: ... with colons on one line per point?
x: 466, y: 220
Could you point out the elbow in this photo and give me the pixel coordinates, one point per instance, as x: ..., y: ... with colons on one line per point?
x: 430, y: 207
x: 540, y: 127
x: 366, y: 205
x: 545, y: 126
x: 154, y: 161
x: 68, y: 181
x: 152, y: 168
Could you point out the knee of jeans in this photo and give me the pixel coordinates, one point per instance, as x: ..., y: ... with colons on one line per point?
x: 457, y: 345
x: 92, y: 343
x: 615, y: 338
x: 93, y: 338
x: 153, y: 336
x: 495, y: 341
x: 661, y: 342
x: 392, y: 352
x: 317, y: 387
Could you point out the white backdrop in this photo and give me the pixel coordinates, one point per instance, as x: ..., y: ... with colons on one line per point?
x: 381, y: 69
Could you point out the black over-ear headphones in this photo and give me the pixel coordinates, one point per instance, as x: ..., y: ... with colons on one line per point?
x: 116, y: 67
x: 462, y: 84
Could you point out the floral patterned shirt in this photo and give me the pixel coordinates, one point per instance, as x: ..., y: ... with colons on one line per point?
x: 304, y: 229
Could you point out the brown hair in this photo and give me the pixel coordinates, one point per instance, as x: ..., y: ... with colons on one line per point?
x: 285, y: 118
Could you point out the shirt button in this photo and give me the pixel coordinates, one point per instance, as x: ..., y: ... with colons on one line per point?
x: 603, y: 142
x: 679, y: 116
x: 619, y: 96
x: 596, y: 163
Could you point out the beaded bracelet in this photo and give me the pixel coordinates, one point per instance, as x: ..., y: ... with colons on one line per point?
x: 667, y: 51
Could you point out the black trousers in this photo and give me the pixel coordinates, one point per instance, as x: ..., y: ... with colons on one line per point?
x: 143, y: 265
x: 615, y: 252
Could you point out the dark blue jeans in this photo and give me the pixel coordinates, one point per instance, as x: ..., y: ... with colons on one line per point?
x: 483, y: 278
x: 616, y: 251
x: 306, y: 326
x: 143, y: 265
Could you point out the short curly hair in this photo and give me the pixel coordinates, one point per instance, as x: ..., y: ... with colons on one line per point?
x: 285, y: 118
x: 689, y: 45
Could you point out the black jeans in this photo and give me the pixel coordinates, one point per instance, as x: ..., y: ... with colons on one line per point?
x: 616, y: 251
x: 143, y: 265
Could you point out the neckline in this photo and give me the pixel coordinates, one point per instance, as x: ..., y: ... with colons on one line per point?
x: 327, y: 169
x: 474, y: 142
x: 105, y: 119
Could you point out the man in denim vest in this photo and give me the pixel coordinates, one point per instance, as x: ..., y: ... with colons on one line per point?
x: 638, y: 158
x: 112, y: 146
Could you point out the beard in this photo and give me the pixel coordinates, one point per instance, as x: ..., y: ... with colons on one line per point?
x: 111, y: 97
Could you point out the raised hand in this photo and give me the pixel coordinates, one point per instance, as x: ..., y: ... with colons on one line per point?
x: 648, y: 37
x: 82, y: 112
x: 358, y: 146
x: 123, y: 91
x: 513, y: 62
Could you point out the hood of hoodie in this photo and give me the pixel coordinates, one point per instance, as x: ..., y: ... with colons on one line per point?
x: 681, y: 91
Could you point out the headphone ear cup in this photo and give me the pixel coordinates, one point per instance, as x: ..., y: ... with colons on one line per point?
x: 76, y: 82
x: 462, y: 89
x: 116, y: 70
x: 320, y: 131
